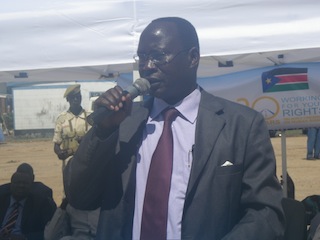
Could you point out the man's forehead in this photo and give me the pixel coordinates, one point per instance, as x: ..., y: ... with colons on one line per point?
x: 161, y: 28
x: 159, y: 36
x: 74, y: 95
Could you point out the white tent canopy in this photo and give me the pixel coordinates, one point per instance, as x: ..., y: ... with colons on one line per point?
x: 45, y: 40
x: 60, y: 40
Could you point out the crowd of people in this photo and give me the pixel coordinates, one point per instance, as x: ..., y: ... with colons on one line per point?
x: 182, y: 164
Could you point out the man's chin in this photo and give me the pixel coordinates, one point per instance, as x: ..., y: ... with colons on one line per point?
x: 157, y: 91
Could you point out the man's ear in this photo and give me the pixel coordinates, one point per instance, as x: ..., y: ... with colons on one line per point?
x: 194, y: 56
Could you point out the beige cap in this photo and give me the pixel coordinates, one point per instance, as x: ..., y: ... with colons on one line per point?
x: 73, y: 89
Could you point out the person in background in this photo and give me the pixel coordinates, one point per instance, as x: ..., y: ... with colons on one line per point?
x: 70, y: 128
x: 69, y: 223
x: 24, y: 214
x: 182, y: 165
x: 71, y: 125
x: 313, y: 143
x: 83, y: 224
x: 36, y: 188
x: 2, y: 138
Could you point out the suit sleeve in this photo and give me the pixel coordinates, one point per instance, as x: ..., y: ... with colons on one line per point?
x: 86, y: 174
x: 263, y: 217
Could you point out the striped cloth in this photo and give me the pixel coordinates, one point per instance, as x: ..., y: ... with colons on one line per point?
x: 11, y: 220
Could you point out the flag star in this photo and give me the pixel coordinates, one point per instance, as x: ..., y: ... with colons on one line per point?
x: 268, y: 81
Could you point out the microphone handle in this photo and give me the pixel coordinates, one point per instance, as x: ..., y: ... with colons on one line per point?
x: 102, y: 112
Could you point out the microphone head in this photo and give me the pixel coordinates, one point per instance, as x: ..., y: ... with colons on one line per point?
x: 142, y: 85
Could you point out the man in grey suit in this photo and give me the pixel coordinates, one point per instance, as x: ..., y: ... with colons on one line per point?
x: 223, y: 182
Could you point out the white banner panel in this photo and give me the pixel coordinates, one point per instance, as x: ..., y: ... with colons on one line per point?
x: 288, y: 95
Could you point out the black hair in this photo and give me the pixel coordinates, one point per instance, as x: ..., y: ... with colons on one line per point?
x: 25, y: 168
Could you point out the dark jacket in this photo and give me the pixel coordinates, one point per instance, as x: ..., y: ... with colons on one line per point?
x: 37, y: 211
x: 37, y: 188
x: 242, y: 201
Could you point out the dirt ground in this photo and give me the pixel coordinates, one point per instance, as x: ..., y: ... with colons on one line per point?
x: 47, y: 167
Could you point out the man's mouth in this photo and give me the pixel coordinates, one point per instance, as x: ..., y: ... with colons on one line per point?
x: 154, y: 86
x: 154, y: 81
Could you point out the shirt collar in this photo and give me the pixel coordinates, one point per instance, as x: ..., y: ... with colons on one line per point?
x: 81, y: 112
x: 188, y: 107
x: 13, y: 201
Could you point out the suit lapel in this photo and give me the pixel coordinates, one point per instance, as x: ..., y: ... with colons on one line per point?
x: 4, y: 205
x: 130, y: 140
x: 209, y: 126
x: 131, y: 134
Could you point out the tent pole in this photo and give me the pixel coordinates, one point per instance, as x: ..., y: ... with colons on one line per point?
x: 284, y: 163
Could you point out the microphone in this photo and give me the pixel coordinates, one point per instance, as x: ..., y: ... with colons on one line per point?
x: 141, y: 86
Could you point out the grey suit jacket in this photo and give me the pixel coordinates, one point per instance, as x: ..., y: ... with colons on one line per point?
x: 242, y: 201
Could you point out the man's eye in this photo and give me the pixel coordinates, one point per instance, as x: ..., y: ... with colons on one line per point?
x: 143, y: 57
x: 157, y: 56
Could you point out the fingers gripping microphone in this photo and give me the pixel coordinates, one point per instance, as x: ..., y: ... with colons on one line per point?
x: 141, y: 86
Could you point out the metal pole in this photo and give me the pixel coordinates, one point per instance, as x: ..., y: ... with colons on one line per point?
x: 284, y: 163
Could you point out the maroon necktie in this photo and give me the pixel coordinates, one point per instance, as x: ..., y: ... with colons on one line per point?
x: 155, y: 207
x: 11, y: 220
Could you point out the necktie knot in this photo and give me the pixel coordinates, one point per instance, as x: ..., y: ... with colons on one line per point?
x: 170, y: 114
x: 16, y: 204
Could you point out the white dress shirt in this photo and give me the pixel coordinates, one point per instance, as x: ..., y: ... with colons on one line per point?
x: 183, y: 129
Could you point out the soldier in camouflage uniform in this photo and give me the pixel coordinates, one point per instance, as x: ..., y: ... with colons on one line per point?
x: 71, y: 125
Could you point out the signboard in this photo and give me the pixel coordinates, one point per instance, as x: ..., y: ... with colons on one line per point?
x: 288, y: 96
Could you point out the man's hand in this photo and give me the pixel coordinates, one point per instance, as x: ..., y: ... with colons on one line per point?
x: 64, y: 154
x: 116, y: 101
x: 78, y: 139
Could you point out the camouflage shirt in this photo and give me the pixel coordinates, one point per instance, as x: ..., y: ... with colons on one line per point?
x: 69, y: 128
